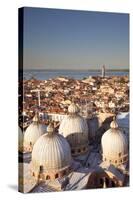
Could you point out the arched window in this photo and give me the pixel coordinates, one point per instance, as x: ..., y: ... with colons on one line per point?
x: 47, y: 177
x: 79, y: 150
x: 33, y: 174
x: 119, y: 154
x: 112, y: 183
x: 107, y: 181
x: 56, y: 175
x: 41, y: 169
x: 72, y: 151
x: 84, y: 149
x: 115, y: 161
x: 101, y: 182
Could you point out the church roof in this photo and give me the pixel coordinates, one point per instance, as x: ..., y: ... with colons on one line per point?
x: 51, y: 151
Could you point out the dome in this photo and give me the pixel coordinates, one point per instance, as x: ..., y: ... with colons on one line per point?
x: 20, y: 139
x: 32, y: 133
x: 114, y: 145
x: 75, y: 129
x: 51, y: 155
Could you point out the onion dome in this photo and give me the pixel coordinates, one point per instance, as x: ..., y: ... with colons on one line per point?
x: 20, y: 140
x: 75, y: 129
x: 114, y: 145
x: 51, y: 156
x: 32, y: 133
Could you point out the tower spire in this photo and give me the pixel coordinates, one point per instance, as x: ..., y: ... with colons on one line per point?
x: 103, y: 71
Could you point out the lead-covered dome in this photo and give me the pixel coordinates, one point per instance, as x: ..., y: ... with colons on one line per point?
x: 114, y: 145
x: 32, y: 133
x: 75, y: 129
x: 51, y: 155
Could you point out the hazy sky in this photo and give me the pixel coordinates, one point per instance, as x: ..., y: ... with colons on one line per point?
x: 64, y: 39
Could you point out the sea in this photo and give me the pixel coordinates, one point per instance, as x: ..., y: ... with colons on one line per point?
x: 76, y: 74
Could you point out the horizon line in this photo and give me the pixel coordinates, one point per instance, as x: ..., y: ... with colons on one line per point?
x: 57, y: 69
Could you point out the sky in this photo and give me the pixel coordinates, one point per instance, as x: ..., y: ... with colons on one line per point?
x: 67, y: 39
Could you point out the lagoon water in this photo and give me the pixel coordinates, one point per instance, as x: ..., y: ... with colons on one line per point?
x: 79, y: 74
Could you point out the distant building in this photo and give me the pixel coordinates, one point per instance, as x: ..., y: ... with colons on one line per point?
x: 103, y: 71
x: 56, y: 117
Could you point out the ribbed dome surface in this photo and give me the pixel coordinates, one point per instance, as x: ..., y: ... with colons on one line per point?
x: 51, y: 151
x: 114, y: 144
x: 33, y: 132
x: 75, y: 129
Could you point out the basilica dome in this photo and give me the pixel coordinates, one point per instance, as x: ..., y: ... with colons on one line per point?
x: 114, y: 145
x: 75, y: 129
x: 32, y: 133
x: 51, y: 155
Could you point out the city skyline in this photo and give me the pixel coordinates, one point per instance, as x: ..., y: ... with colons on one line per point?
x: 68, y: 39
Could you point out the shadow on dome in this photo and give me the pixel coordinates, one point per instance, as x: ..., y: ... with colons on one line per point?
x: 103, y: 128
x: 78, y: 143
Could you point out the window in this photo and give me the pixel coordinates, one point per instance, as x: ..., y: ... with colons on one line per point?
x: 112, y: 183
x: 115, y: 161
x: 41, y: 168
x: 56, y: 175
x: 84, y: 149
x: 100, y: 182
x: 33, y: 174
x: 79, y: 150
x: 47, y: 177
x: 72, y: 151
x: 107, y: 182
x: 119, y: 154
